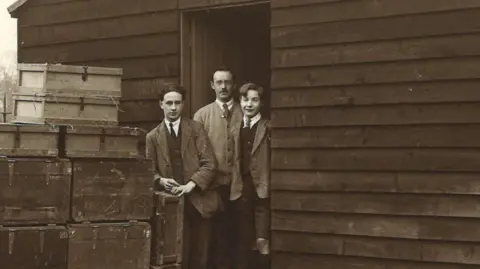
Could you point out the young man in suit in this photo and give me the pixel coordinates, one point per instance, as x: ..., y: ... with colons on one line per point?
x: 185, y: 165
x: 251, y: 180
x: 217, y: 119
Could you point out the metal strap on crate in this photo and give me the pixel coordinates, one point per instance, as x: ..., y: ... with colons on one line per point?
x: 103, y: 137
x: 95, y: 236
x: 42, y: 240
x: 16, y: 142
x: 11, y: 240
x: 11, y: 172
x: 85, y: 73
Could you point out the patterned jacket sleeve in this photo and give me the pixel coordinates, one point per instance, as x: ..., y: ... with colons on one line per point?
x: 206, y: 173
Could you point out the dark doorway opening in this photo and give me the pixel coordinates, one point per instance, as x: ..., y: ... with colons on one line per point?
x: 236, y: 37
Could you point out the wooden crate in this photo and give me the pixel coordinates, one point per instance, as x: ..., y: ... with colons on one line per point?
x: 109, y: 245
x: 69, y: 80
x: 33, y: 247
x: 29, y: 140
x: 103, y: 142
x: 61, y: 110
x: 144, y: 128
x: 64, y: 94
x: 112, y: 190
x: 34, y: 191
x: 167, y: 228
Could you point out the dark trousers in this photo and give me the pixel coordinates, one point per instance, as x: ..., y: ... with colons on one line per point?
x: 260, y: 261
x: 262, y: 230
x: 220, y: 254
x: 196, y: 238
x: 237, y: 227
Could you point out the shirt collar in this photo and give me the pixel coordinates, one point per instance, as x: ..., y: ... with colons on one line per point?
x: 175, y: 124
x: 253, y: 120
x: 229, y: 103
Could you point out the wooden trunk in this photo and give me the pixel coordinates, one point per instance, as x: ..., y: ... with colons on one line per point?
x: 167, y: 229
x: 34, y: 191
x: 61, y: 110
x: 33, y: 247
x: 103, y: 142
x: 109, y: 246
x: 69, y: 80
x: 112, y: 190
x: 28, y: 140
x: 66, y: 95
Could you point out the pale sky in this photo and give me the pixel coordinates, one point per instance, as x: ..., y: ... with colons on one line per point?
x: 8, y: 33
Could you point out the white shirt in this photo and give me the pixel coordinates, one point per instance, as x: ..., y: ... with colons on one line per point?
x: 176, y: 125
x: 253, y: 120
x: 229, y: 104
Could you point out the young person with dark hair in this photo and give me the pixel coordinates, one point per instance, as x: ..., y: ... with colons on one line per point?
x: 185, y: 166
x: 251, y: 179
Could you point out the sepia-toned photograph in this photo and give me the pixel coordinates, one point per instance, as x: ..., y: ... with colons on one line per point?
x: 239, y: 134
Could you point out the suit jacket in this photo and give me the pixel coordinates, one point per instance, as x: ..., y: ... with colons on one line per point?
x: 198, y: 162
x: 219, y: 132
x: 259, y: 163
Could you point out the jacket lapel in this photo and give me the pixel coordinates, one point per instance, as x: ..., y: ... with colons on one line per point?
x: 235, y: 132
x: 260, y: 134
x: 237, y: 114
x: 162, y: 142
x: 186, y: 135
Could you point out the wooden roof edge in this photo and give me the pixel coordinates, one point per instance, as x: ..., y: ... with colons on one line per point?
x: 14, y: 7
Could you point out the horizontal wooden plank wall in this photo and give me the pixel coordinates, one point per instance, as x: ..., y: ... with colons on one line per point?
x: 142, y: 37
x: 376, y: 159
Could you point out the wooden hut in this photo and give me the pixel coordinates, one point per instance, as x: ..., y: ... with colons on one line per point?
x: 375, y: 109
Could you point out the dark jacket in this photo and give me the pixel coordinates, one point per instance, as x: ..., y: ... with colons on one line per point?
x: 259, y: 163
x: 199, y: 162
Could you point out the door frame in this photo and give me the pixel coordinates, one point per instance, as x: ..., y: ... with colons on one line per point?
x: 186, y: 42
x: 185, y: 57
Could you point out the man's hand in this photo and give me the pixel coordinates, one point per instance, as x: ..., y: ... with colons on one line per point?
x: 184, y: 189
x: 168, y: 183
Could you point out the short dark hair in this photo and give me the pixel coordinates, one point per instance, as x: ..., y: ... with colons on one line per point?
x: 243, y: 91
x: 172, y: 87
x: 223, y: 69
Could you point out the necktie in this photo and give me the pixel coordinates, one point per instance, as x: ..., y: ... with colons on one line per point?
x: 247, y: 122
x: 226, y: 111
x: 172, y: 131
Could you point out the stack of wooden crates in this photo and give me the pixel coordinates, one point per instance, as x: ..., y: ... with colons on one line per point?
x: 75, y: 189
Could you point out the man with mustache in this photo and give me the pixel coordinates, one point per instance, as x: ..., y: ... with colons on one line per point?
x: 217, y: 119
x: 185, y: 165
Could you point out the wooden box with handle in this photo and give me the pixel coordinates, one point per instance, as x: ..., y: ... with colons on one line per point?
x: 17, y: 140
x: 34, y: 191
x: 167, y: 226
x: 109, y: 245
x: 66, y: 95
x: 40, y: 247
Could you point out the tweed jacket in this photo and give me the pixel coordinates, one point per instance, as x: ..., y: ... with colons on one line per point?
x: 219, y: 132
x: 259, y: 163
x: 198, y: 162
